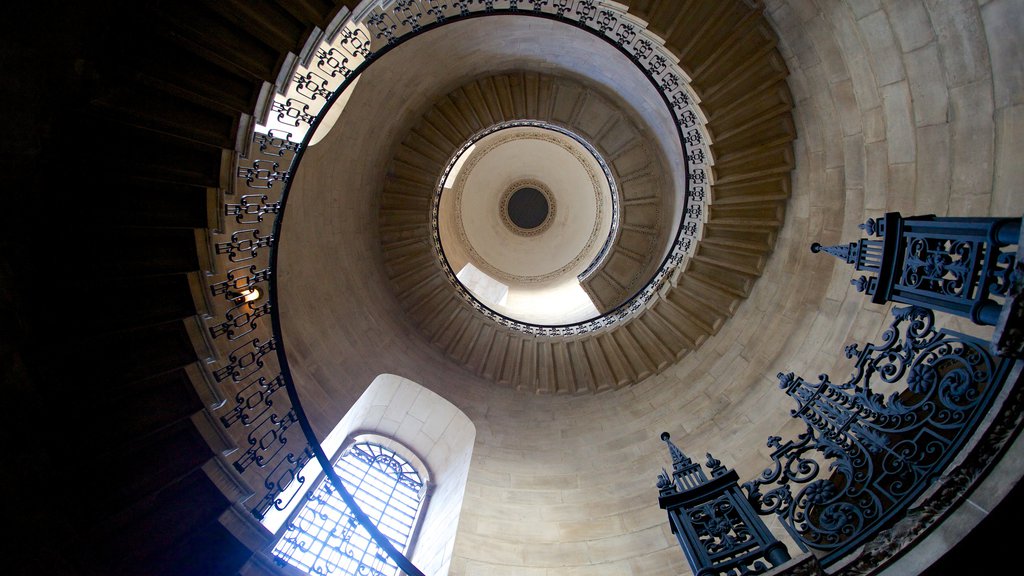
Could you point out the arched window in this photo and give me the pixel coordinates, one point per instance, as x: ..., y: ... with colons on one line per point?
x: 323, y: 537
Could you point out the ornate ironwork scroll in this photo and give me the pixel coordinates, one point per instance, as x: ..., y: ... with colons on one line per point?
x: 864, y: 458
x: 955, y: 265
x: 715, y: 525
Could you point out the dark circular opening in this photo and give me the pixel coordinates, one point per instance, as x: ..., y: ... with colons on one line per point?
x: 527, y: 208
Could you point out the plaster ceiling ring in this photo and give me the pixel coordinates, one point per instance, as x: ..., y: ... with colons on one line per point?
x: 551, y: 208
x: 585, y: 154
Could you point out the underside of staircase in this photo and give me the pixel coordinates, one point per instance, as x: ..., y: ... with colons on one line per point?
x: 121, y: 116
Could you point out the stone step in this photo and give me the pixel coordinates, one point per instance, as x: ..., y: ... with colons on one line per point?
x: 409, y: 273
x: 412, y: 156
x: 494, y: 364
x: 686, y: 302
x: 423, y: 176
x: 755, y: 164
x: 749, y: 214
x: 698, y: 32
x: 480, y: 349
x: 765, y: 132
x: 507, y: 364
x: 677, y: 342
x: 654, y: 348
x: 741, y: 39
x: 405, y: 248
x: 755, y: 74
x: 619, y: 367
x: 740, y: 236
x: 602, y: 377
x: 392, y: 198
x: 730, y: 117
x: 640, y: 363
x: 437, y: 294
x: 583, y: 375
x: 724, y: 278
x: 770, y: 187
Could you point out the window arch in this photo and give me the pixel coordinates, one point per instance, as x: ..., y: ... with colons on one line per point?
x: 431, y: 433
x: 323, y: 536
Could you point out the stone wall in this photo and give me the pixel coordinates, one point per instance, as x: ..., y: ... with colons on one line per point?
x: 909, y: 106
x: 900, y: 105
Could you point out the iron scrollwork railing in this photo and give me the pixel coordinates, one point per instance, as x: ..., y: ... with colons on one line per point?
x: 954, y: 265
x: 250, y: 360
x: 714, y: 523
x: 864, y: 458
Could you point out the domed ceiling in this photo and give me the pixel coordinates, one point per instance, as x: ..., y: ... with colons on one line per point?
x: 610, y: 285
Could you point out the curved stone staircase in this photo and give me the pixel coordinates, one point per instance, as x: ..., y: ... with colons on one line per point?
x: 729, y: 52
x: 140, y: 109
x: 127, y: 114
x: 647, y: 204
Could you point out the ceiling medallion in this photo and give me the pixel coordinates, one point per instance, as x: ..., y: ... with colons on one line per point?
x: 527, y: 207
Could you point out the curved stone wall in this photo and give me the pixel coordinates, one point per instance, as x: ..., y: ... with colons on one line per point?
x: 911, y: 105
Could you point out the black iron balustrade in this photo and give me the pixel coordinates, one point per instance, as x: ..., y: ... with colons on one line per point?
x: 863, y: 458
x: 881, y: 453
x: 716, y: 527
x: 955, y: 265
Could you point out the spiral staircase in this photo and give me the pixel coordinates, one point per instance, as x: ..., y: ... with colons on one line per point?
x: 747, y: 102
x: 136, y: 116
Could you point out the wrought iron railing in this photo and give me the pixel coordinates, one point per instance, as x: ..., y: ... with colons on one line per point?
x: 881, y: 453
x: 954, y: 265
x: 865, y: 458
x: 248, y: 356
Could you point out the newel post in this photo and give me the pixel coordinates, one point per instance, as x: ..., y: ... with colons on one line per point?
x: 716, y: 526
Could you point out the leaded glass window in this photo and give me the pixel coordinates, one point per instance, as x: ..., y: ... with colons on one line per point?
x: 324, y: 537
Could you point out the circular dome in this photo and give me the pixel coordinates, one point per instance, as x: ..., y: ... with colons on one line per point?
x: 524, y: 209
x: 571, y: 201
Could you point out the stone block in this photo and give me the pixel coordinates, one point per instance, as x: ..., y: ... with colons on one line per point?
x: 1008, y: 189
x: 827, y: 48
x: 902, y: 178
x: 873, y: 125
x: 864, y: 83
x: 853, y: 161
x: 973, y: 138
x: 862, y: 8
x: 845, y: 100
x: 970, y: 204
x: 961, y: 36
x: 910, y: 23
x: 876, y: 175
x: 927, y: 86
x: 629, y: 546
x: 899, y: 125
x: 803, y: 10
x: 560, y: 552
x: 801, y: 45
x: 883, y: 53
x: 933, y: 170
x: 809, y: 136
x: 1004, y: 23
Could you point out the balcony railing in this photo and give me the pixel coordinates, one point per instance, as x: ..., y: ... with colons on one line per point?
x: 865, y: 458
